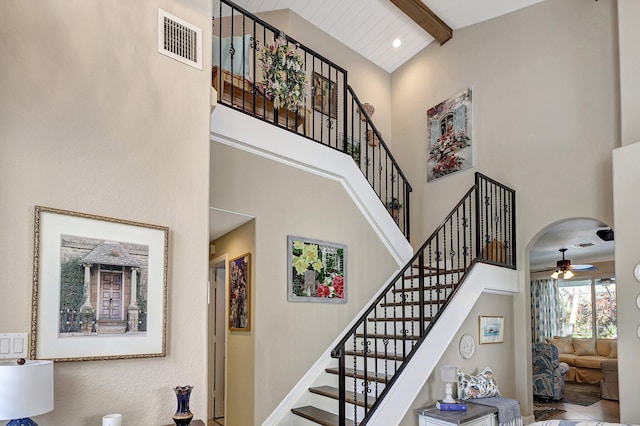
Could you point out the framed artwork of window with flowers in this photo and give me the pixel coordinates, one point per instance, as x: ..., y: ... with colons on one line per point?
x: 450, y: 126
x: 316, y: 271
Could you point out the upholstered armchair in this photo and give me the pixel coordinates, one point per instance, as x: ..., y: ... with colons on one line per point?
x: 548, y: 372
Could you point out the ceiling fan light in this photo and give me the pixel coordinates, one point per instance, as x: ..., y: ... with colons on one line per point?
x: 568, y: 275
x: 554, y: 275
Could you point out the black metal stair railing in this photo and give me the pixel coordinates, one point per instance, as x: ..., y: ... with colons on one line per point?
x: 481, y: 228
x: 321, y: 106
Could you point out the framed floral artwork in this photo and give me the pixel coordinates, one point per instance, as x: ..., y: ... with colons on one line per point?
x: 450, y: 125
x: 316, y: 271
x: 240, y: 293
x: 99, y: 287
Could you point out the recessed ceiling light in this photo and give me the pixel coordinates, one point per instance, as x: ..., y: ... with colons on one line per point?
x: 397, y: 42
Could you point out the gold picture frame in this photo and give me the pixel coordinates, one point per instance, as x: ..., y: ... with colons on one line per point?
x: 99, y: 287
x: 240, y: 293
x: 490, y: 329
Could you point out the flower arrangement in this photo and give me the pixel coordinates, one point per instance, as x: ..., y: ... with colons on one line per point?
x: 445, y: 153
x: 326, y: 271
x: 285, y: 78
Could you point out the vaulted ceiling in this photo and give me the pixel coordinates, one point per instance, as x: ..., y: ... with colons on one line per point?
x: 370, y: 26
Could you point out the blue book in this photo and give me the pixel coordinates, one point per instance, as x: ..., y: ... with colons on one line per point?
x: 451, y: 406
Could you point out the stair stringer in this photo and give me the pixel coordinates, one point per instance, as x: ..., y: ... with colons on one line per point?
x: 483, y: 278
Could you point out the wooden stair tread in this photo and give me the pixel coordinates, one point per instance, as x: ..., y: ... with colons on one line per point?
x: 426, y: 287
x: 379, y: 355
x: 319, y: 416
x: 350, y: 397
x: 414, y: 303
x: 399, y: 319
x: 378, y: 377
x: 388, y: 336
x: 442, y: 270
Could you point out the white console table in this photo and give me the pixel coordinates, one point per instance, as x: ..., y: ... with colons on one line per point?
x: 476, y: 415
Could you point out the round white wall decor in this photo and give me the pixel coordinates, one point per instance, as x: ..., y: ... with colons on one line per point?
x: 636, y: 272
x: 467, y: 346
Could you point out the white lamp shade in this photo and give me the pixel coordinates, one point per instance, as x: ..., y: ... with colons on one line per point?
x: 25, y: 390
x: 448, y: 373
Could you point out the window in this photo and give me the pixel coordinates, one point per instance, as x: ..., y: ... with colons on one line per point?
x: 589, y: 307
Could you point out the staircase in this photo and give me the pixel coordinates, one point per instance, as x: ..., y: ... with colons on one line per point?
x: 373, y: 354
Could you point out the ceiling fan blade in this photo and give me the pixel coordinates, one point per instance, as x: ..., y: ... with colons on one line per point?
x: 583, y: 267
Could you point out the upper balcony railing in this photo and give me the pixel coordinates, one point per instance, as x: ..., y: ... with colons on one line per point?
x: 259, y: 70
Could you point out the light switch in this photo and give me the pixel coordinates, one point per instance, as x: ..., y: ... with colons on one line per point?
x: 13, y: 345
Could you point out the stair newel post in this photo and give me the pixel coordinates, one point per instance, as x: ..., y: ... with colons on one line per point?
x: 407, y: 210
x: 342, y: 392
x: 477, y: 216
x: 421, y: 292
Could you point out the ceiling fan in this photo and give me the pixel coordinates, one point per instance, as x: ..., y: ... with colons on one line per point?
x: 564, y: 267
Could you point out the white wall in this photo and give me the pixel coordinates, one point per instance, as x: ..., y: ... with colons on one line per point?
x: 626, y: 180
x: 546, y: 121
x: 94, y: 120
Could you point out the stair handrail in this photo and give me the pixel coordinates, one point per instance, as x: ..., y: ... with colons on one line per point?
x: 482, y: 193
x: 404, y: 189
x: 326, y: 118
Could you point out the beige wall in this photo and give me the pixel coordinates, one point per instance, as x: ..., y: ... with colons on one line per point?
x: 240, y: 352
x: 290, y: 336
x: 499, y: 357
x: 94, y: 120
x: 629, y: 39
x: 546, y: 100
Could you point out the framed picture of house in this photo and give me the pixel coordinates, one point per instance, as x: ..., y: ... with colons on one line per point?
x: 450, y: 137
x: 316, y: 270
x: 325, y: 95
x: 99, y: 287
x: 490, y: 329
x: 240, y: 293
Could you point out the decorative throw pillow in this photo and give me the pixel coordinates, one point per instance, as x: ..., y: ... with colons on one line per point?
x: 563, y: 343
x: 482, y: 385
x: 584, y: 346
x: 614, y: 350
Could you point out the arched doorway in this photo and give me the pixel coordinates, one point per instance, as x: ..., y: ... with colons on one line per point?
x: 573, y: 308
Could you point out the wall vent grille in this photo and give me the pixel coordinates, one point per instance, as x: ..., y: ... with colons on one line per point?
x: 179, y: 40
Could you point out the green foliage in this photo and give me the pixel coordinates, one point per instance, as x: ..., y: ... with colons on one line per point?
x: 72, y: 284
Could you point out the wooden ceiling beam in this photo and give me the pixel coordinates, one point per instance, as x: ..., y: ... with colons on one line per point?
x: 423, y: 16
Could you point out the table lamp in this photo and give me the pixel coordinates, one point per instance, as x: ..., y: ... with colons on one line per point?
x: 448, y: 374
x: 26, y: 389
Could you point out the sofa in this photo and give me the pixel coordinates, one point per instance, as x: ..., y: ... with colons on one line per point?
x: 548, y: 372
x: 584, y: 356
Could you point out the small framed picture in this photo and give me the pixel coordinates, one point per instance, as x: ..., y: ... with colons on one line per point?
x: 240, y: 293
x: 490, y: 329
x: 325, y: 95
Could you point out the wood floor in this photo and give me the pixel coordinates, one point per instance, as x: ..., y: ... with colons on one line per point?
x: 603, y: 410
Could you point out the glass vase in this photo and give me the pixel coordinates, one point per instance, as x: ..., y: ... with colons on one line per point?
x: 183, y: 415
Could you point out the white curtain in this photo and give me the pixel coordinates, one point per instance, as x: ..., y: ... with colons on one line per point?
x: 545, y: 309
